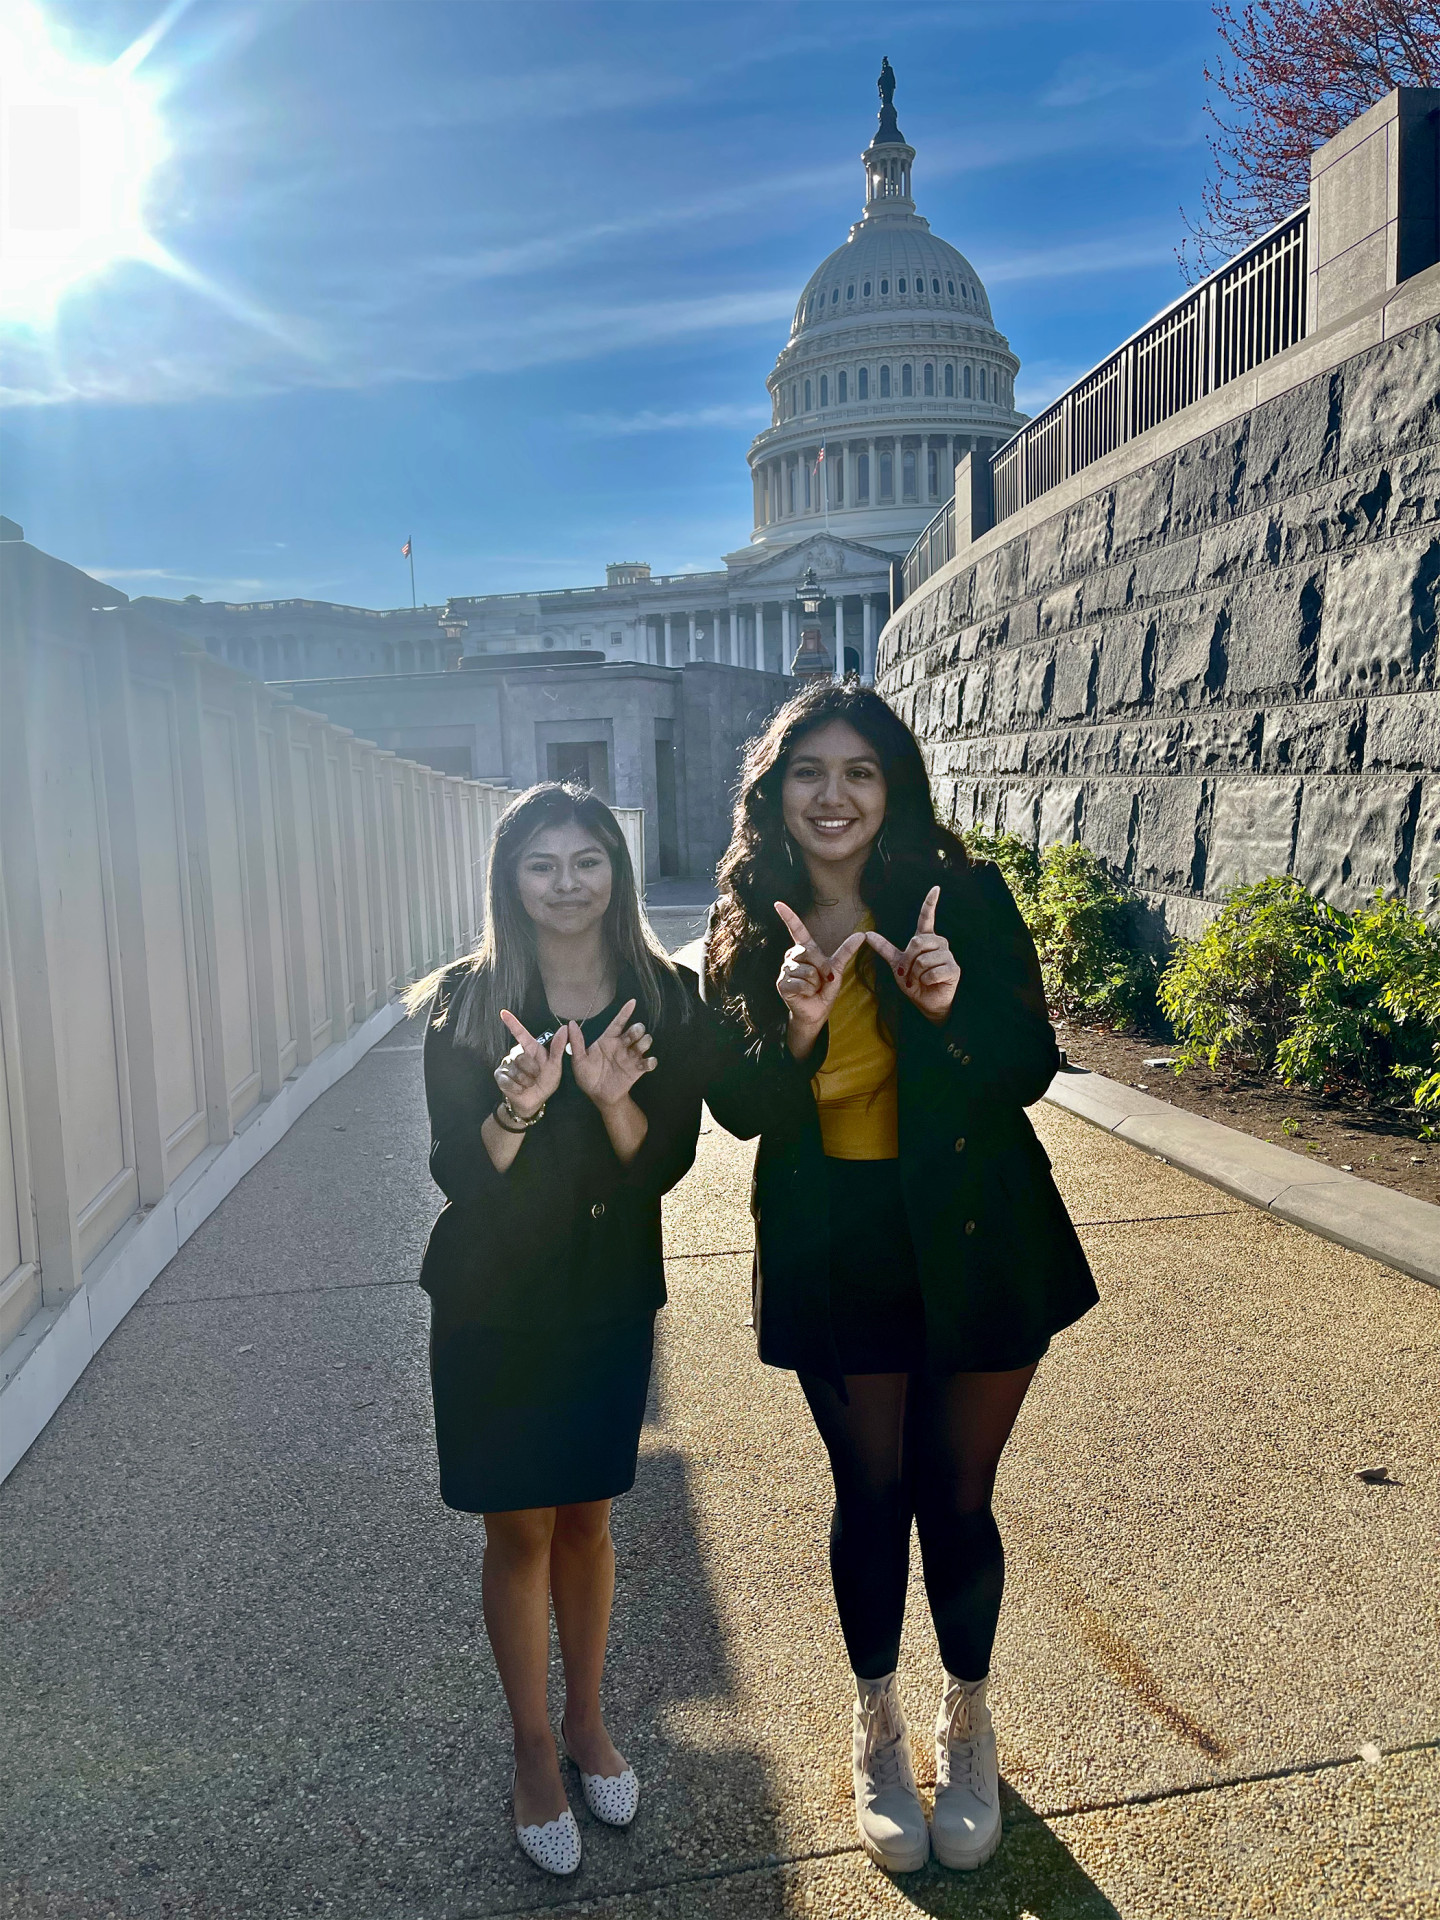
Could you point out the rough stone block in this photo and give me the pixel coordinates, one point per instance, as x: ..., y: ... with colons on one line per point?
x: 1087, y: 533
x: 1010, y: 576
x: 1209, y: 473
x: 1000, y: 703
x: 1046, y: 754
x: 1355, y: 836
x: 1150, y: 749
x: 1109, y: 814
x: 1378, y: 632
x: 1034, y: 679
x: 974, y: 687
x: 1165, y: 570
x: 1095, y: 750
x: 1058, y: 611
x: 1273, y: 635
x: 1220, y: 740
x: 1252, y: 832
x: 1008, y: 752
x: 1126, y: 675
x: 1415, y: 480
x: 1020, y: 811
x: 1045, y: 561
x: 1109, y: 590
x: 1190, y: 650
x: 1293, y: 440
x: 1059, y: 812
x: 1074, y: 679
x: 1424, y: 893
x: 1403, y: 733
x: 1314, y: 739
x: 985, y: 592
x: 1235, y: 546
x: 1169, y: 847
x: 1391, y: 399
x: 1142, y: 506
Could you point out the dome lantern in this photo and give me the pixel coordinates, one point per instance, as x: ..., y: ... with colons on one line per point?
x: 888, y: 158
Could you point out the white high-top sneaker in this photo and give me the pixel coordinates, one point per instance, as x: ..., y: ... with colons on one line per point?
x: 965, y: 1828
x: 888, y: 1813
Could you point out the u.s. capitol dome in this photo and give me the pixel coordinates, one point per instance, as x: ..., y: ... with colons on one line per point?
x: 893, y: 371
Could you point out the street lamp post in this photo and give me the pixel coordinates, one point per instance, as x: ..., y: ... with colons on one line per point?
x: 811, y: 661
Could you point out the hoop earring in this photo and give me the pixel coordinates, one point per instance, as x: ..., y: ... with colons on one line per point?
x: 882, y: 847
x: 789, y: 848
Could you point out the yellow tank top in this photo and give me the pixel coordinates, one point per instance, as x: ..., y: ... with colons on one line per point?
x: 855, y: 1089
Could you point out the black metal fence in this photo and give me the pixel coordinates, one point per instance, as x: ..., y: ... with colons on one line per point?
x: 1249, y: 311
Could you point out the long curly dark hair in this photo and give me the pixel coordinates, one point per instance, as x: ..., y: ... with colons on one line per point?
x: 761, y: 865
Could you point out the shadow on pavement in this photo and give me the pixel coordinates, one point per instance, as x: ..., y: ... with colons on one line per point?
x: 1034, y: 1876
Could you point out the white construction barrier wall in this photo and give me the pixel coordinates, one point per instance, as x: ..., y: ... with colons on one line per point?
x: 209, y: 900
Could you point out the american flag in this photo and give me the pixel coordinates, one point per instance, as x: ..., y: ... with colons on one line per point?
x: 405, y: 551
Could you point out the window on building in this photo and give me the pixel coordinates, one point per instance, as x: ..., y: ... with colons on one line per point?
x: 949, y: 383
x: 850, y: 291
x: 806, y: 464
x: 884, y: 286
x: 908, y: 465
x: 929, y: 378
x: 834, y: 295
x: 901, y: 286
x: 951, y: 285
x: 808, y: 401
x: 794, y: 398
x: 934, y: 473
x: 907, y: 381
x: 967, y: 383
x: 862, y: 477
x: 887, y: 476
x: 982, y: 383
x: 862, y: 384
x: 884, y: 383
x: 935, y: 286
x: 548, y: 641
x: 867, y: 289
x: 790, y: 471
x: 842, y: 388
x: 824, y: 389
x: 616, y: 638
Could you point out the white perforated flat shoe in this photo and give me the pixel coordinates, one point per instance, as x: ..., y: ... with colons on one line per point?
x: 555, y: 1847
x: 613, y: 1798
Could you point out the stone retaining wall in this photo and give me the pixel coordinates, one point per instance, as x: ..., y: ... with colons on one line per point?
x: 1222, y: 665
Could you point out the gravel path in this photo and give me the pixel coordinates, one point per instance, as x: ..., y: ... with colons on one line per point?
x: 246, y: 1673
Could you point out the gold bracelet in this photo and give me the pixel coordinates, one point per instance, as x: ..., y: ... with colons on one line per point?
x: 520, y: 1123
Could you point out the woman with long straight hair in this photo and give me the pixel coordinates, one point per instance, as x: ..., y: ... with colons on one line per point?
x: 913, y: 1258
x: 564, y: 1101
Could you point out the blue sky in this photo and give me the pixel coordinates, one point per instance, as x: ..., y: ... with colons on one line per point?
x: 510, y: 277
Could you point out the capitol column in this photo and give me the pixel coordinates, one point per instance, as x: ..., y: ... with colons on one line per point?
x: 868, y: 656
x: 690, y: 652
x: 874, y: 475
x: 839, y: 636
x: 786, y: 645
x: 734, y: 636
x: 668, y: 661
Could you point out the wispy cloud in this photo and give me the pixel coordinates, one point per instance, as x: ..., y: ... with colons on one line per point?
x: 1085, y: 78
x: 649, y: 420
x: 1041, y: 381
x: 1113, y: 253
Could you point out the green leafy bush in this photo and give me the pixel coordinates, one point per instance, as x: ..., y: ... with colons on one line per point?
x: 1338, y: 1002
x: 1083, y: 926
x: 1233, y: 994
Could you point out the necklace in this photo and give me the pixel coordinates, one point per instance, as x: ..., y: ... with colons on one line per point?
x: 594, y: 1005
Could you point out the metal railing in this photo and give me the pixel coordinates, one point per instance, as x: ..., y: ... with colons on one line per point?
x: 1246, y: 313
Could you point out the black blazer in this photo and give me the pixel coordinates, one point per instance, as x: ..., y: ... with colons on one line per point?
x: 567, y: 1233
x: 1000, y: 1263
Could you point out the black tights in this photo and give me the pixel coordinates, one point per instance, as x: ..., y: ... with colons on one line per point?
x: 910, y: 1448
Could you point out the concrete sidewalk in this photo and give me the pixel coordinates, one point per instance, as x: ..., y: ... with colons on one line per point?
x: 247, y: 1673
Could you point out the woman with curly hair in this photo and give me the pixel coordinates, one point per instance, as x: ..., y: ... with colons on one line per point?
x: 913, y: 1258
x: 563, y: 1079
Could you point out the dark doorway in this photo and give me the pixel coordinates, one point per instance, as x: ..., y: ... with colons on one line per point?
x: 852, y: 660
x: 585, y: 762
x: 665, y: 809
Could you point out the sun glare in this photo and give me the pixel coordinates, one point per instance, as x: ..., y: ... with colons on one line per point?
x: 77, y: 147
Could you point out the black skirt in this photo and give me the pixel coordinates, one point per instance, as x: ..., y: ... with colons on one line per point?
x: 548, y: 1417
x: 877, y: 1310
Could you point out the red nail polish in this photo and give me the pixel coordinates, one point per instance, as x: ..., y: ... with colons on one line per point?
x: 829, y: 976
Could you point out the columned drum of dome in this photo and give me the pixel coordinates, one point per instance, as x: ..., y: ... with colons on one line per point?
x: 894, y: 370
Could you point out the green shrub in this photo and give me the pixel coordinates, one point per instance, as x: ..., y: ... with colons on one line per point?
x: 1233, y: 994
x: 1369, y: 1013
x: 1338, y: 1002
x: 1082, y: 924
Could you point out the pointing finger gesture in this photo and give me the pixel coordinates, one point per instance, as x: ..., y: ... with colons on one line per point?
x: 608, y: 1068
x: 925, y: 970
x: 810, y: 980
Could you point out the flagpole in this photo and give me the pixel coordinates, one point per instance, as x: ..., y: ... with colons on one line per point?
x: 410, y: 548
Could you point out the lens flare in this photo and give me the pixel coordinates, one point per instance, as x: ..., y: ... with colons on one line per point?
x: 78, y: 145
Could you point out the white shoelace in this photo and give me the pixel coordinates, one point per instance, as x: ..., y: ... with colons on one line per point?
x: 882, y: 1748
x: 960, y: 1751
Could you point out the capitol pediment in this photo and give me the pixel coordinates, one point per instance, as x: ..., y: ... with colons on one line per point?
x: 831, y: 557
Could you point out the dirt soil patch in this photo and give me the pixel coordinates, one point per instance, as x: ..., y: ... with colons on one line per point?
x: 1378, y: 1144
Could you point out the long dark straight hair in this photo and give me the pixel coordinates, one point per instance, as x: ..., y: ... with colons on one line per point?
x: 762, y: 864
x: 501, y: 971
